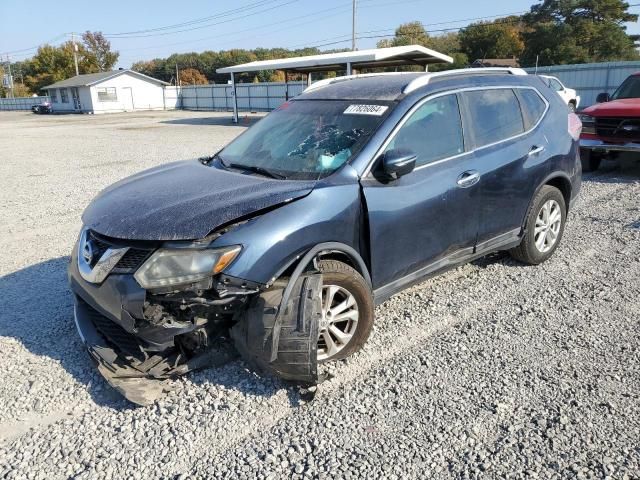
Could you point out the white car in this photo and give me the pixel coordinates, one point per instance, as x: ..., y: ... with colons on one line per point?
x: 569, y: 95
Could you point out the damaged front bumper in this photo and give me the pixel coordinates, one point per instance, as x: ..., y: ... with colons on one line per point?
x: 137, y: 354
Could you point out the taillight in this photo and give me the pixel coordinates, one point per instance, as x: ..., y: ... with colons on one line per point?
x: 575, y: 126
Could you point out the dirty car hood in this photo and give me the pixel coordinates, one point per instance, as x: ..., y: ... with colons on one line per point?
x: 184, y: 201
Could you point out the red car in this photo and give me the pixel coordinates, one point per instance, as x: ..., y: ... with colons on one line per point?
x: 612, y: 125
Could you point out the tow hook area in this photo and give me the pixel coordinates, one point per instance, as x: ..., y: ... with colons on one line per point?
x: 283, y: 339
x: 275, y: 330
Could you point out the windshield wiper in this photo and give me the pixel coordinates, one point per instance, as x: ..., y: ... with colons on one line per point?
x: 255, y: 169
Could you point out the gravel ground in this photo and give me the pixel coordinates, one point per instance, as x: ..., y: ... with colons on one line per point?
x: 490, y: 370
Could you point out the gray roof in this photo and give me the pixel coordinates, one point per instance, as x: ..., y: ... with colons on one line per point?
x: 89, y: 79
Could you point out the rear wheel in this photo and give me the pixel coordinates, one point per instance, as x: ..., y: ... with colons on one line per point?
x: 590, y: 160
x: 572, y: 106
x: 347, y: 311
x: 544, y: 227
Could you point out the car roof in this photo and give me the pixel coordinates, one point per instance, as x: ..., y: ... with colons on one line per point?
x: 371, y: 87
x: 391, y: 86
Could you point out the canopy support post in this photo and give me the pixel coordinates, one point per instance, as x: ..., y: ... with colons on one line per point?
x: 235, y: 98
x: 308, y: 79
x: 286, y: 86
x: 348, y: 68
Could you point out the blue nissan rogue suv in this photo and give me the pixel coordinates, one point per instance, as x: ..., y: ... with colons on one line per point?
x: 280, y: 245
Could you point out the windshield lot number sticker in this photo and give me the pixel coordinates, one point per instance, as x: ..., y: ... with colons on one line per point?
x: 376, y: 110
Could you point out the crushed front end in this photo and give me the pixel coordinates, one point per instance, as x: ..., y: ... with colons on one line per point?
x: 143, y: 323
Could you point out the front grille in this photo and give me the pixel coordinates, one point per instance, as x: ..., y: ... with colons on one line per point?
x: 132, y: 260
x: 129, y: 263
x: 99, y: 247
x: 114, y: 333
x: 627, y: 129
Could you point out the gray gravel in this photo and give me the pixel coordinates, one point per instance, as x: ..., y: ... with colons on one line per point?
x: 491, y: 370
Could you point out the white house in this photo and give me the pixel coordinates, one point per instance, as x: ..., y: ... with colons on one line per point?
x: 116, y: 91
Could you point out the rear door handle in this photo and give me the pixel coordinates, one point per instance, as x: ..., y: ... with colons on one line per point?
x: 468, y: 178
x: 535, y: 150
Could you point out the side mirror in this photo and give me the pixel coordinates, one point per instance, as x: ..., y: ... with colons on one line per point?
x: 603, y: 97
x: 398, y: 162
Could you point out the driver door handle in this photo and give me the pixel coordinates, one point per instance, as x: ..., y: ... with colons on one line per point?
x: 535, y: 150
x: 468, y: 178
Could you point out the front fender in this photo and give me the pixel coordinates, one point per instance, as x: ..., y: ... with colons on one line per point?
x: 271, y: 242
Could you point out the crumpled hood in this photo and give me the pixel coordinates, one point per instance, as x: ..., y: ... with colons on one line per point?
x: 184, y: 201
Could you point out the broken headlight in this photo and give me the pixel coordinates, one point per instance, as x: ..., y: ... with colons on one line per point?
x: 588, y: 124
x: 169, y: 267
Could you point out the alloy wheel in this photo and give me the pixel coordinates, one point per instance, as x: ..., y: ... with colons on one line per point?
x: 548, y: 223
x: 339, y: 321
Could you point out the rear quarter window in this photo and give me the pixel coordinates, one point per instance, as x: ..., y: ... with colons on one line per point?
x: 494, y: 115
x: 533, y: 106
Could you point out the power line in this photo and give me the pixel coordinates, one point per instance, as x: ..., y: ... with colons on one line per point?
x: 199, y: 27
x: 55, y: 39
x: 339, y: 9
x: 123, y: 35
x: 441, y: 30
x: 314, y: 42
x: 195, y: 21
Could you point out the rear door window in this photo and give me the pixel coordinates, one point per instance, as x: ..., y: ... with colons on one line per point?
x: 494, y: 115
x: 533, y: 106
x: 432, y: 132
x: 556, y: 85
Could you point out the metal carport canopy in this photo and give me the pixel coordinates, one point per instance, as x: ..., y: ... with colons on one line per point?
x: 359, y: 59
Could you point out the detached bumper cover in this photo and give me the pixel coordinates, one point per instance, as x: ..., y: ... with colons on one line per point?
x: 114, y: 366
x: 137, y: 374
x: 603, y: 146
x: 132, y: 355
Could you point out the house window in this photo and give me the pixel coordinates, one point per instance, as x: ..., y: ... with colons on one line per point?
x: 63, y: 95
x: 53, y: 94
x: 107, y: 94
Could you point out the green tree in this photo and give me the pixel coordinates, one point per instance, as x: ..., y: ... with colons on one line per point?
x: 496, y: 39
x: 412, y: 33
x: 578, y: 31
x: 98, y: 55
x: 49, y: 65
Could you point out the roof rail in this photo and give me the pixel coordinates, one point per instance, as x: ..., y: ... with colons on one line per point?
x: 426, y: 78
x: 329, y: 81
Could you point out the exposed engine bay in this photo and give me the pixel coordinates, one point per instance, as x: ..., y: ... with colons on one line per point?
x: 175, y: 331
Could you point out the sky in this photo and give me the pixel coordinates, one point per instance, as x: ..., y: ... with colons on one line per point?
x: 239, y: 24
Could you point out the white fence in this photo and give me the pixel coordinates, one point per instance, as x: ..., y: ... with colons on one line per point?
x: 590, y: 79
x: 252, y: 97
x: 21, y: 103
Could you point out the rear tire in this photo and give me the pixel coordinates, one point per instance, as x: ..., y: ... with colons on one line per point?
x: 590, y: 160
x: 572, y: 107
x: 343, y: 285
x: 543, y: 228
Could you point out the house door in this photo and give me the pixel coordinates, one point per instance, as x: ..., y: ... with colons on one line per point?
x: 127, y: 99
x: 75, y: 96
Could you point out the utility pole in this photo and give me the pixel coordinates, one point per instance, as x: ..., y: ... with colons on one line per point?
x: 10, y: 76
x: 353, y: 27
x: 75, y: 52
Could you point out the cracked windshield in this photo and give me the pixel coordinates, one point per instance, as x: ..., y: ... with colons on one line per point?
x: 305, y: 139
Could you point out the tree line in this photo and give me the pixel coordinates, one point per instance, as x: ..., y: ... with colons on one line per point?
x: 553, y: 32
